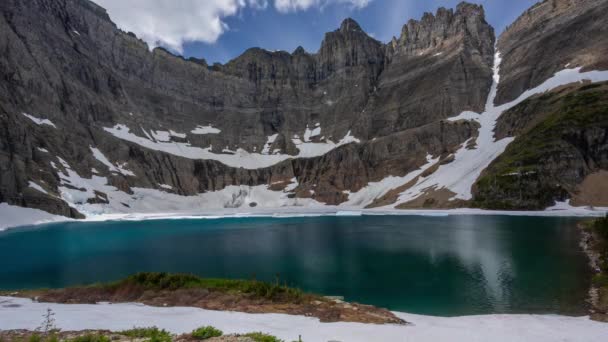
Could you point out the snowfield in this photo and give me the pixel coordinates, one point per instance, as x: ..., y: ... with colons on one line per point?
x: 18, y: 313
x: 161, y: 141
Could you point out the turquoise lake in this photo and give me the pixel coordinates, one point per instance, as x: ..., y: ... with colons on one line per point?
x: 446, y: 266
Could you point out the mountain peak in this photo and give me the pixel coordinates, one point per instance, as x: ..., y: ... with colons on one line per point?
x: 351, y: 25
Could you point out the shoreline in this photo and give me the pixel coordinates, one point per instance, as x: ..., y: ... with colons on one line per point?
x: 34, y: 217
x: 588, y: 243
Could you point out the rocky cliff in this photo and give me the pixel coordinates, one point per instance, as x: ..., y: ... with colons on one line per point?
x: 93, y: 122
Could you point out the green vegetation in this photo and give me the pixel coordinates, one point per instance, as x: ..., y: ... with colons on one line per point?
x: 90, y: 338
x: 524, y: 176
x: 261, y: 337
x: 151, y: 334
x: 204, y: 333
x: 165, y: 281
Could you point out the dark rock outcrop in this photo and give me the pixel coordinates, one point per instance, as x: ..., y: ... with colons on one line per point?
x: 64, y: 60
x: 562, y: 139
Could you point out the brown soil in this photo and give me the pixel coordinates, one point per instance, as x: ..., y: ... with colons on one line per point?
x: 593, y: 190
x: 326, y: 310
x: 433, y: 199
x: 24, y: 335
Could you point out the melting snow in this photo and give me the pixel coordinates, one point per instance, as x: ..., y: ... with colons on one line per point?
x: 39, y: 121
x: 205, y: 130
x: 42, y: 149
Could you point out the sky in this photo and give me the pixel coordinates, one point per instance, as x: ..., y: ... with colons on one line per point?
x: 219, y: 30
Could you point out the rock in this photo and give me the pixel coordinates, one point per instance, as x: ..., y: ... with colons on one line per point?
x: 550, y: 36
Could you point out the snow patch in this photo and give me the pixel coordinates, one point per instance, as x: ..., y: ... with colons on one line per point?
x: 205, y: 130
x: 310, y: 133
x: 14, y: 216
x: 42, y: 149
x: 25, y: 314
x: 375, y: 190
x: 37, y: 187
x: 269, y: 141
x: 117, y: 169
x: 39, y: 121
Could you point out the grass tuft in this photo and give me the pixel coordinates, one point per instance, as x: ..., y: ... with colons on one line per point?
x: 152, y: 334
x: 204, y: 333
x: 261, y: 337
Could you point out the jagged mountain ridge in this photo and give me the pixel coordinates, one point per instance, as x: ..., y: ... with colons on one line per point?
x: 93, y: 82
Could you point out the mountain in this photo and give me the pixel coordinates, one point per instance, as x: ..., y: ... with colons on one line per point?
x: 94, y: 122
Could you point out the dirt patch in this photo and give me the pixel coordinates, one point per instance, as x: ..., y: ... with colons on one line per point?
x: 593, y: 190
x: 434, y: 199
x: 326, y: 310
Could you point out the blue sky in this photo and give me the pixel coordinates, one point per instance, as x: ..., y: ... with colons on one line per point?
x: 219, y: 30
x: 383, y: 19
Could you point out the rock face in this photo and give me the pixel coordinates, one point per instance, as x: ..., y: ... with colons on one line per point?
x: 94, y: 122
x: 551, y: 36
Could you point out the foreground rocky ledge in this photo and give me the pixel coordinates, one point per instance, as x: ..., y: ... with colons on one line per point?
x: 595, y: 244
x: 250, y: 296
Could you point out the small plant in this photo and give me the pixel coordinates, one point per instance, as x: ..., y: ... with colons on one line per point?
x: 261, y: 337
x: 204, y: 333
x: 35, y: 338
x: 152, y: 334
x: 48, y: 323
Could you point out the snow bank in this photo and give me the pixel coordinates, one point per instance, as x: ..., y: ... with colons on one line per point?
x: 160, y: 141
x: 18, y: 313
x: 460, y: 175
x: 76, y: 190
x: 14, y: 216
x: 39, y: 121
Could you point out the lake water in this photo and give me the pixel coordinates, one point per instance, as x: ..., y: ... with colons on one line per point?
x: 456, y: 265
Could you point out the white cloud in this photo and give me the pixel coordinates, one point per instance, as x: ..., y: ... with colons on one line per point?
x: 171, y: 23
x: 285, y: 6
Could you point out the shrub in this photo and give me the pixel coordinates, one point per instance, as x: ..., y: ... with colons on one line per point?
x: 90, y: 338
x: 261, y: 337
x: 600, y: 280
x: 166, y: 281
x: 153, y: 334
x: 204, y: 333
